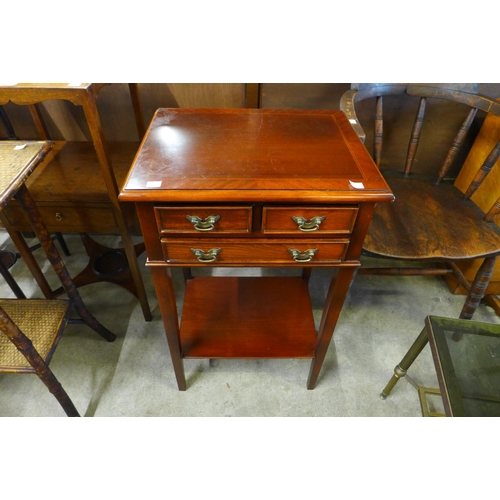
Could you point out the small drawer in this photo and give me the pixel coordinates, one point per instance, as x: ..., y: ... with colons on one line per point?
x: 199, y: 220
x: 255, y: 251
x: 66, y: 218
x: 306, y: 220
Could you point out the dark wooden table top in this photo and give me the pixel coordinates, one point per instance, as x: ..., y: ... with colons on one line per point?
x: 210, y: 155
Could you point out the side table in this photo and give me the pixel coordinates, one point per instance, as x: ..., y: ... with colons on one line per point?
x: 18, y: 160
x: 466, y: 355
x: 43, y: 320
x: 252, y: 188
x: 76, y: 190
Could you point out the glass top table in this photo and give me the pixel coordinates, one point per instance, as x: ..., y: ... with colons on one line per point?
x: 466, y: 355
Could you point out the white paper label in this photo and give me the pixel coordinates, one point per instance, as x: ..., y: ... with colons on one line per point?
x: 357, y: 185
x: 153, y: 184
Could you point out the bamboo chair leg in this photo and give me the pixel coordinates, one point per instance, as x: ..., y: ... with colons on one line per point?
x: 406, y: 362
x: 25, y: 346
x: 55, y: 387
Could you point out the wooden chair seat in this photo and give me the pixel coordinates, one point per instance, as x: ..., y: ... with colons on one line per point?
x: 431, y: 221
x: 42, y: 321
x: 427, y: 221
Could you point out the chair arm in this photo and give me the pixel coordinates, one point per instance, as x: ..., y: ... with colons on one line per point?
x: 347, y: 106
x: 360, y: 92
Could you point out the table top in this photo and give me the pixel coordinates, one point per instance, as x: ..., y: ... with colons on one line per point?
x: 253, y: 155
x: 467, y: 358
x: 17, y: 160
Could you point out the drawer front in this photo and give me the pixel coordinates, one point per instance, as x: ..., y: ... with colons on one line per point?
x: 255, y: 251
x: 306, y: 220
x: 66, y: 218
x: 199, y: 220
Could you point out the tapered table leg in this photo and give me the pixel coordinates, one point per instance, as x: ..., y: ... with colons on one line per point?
x: 162, y: 277
x: 331, y: 312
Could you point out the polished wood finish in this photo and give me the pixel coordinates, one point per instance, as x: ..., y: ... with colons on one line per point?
x: 431, y: 220
x: 233, y: 320
x: 274, y: 164
x: 77, y: 187
x: 174, y: 220
x: 337, y: 220
x: 268, y: 252
x: 183, y: 159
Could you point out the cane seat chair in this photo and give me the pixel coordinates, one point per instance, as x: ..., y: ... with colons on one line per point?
x: 30, y: 330
x: 431, y: 221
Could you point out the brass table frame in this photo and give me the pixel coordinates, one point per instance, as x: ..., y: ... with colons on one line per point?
x: 449, y: 390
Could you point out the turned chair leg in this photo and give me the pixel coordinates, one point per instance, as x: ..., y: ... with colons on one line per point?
x: 478, y: 288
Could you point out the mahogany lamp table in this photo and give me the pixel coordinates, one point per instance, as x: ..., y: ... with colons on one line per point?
x: 252, y: 188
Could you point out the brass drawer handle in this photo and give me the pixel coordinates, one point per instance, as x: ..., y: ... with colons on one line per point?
x: 205, y: 257
x: 59, y: 216
x: 203, y: 225
x: 308, y: 226
x: 300, y: 257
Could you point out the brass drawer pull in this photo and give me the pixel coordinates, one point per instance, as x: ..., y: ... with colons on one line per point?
x: 300, y: 257
x: 59, y: 216
x: 203, y: 225
x: 308, y: 226
x: 205, y: 257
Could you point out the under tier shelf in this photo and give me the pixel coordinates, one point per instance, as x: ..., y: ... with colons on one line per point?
x: 247, y: 317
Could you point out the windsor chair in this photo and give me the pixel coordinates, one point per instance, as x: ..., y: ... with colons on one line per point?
x: 431, y: 220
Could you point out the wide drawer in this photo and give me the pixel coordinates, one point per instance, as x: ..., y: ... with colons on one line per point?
x: 305, y: 220
x: 253, y: 251
x: 66, y: 218
x: 198, y: 220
